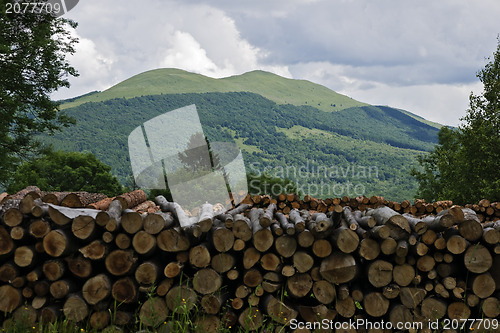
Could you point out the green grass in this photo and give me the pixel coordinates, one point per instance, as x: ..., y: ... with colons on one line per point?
x: 175, y: 81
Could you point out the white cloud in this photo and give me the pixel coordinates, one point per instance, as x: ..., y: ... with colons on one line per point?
x: 418, y: 55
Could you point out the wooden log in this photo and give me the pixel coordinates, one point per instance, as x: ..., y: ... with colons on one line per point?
x: 242, y: 227
x: 123, y: 241
x: 124, y: 290
x: 483, y: 285
x: 33, y: 191
x: 99, y: 320
x: 299, y: 285
x: 324, y: 291
x: 403, y: 274
x: 388, y: 246
x: 440, y: 222
x: 83, y: 227
x: 270, y: 262
x: 458, y: 311
x: 278, y: 310
x: 285, y: 246
x: 369, y: 249
x: 251, y: 319
x: 173, y: 269
x: 222, y: 239
x: 286, y: 225
x: 60, y: 289
x: 96, y: 250
x: 153, y: 312
x: 40, y: 209
x: 271, y: 282
x: 199, y: 256
x: 338, y: 268
x: 81, y: 199
x: 79, y: 266
x: 456, y: 244
x: 398, y: 225
x: 111, y: 216
x: 426, y: 263
x: 212, y: 303
x: 322, y: 248
x: 222, y: 262
x: 8, y: 272
x: 12, y: 217
x: 266, y: 217
x: 120, y: 262
x: 206, y: 217
x: 207, y: 281
x: 10, y: 298
x: 181, y: 296
x: 322, y: 222
x: 39, y: 228
x: 25, y: 256
x: 6, y: 243
x: 391, y: 291
x: 350, y: 219
x: 305, y: 239
x: 478, y: 259
x: 75, y: 308
x: 53, y: 269
x: 345, y: 307
x: 147, y: 273
x: 433, y: 308
x: 302, y: 261
x: 59, y: 243
x: 144, y: 243
x: 96, y: 289
x: 131, y: 199
x: 375, y: 304
x: 411, y: 297
x: 380, y: 273
x: 252, y: 278
x: 262, y: 237
x: 131, y: 221
x: 154, y: 223
x: 297, y: 220
x: 172, y: 240
x: 345, y: 239
x: 176, y: 209
x: 490, y: 307
x: 399, y: 313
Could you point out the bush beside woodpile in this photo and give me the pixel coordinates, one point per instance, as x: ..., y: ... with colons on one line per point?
x: 79, y: 254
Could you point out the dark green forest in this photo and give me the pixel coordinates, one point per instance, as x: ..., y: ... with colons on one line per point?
x: 371, y: 147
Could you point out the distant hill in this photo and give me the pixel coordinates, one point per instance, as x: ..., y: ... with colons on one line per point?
x: 175, y: 81
x: 371, y: 147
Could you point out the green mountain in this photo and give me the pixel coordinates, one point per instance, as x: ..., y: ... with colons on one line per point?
x: 273, y: 87
x: 361, y: 149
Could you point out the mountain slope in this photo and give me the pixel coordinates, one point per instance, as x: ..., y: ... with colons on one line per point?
x: 331, y: 148
x: 274, y: 87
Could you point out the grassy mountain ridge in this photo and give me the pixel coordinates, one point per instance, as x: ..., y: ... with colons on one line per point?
x: 279, y: 138
x: 175, y: 81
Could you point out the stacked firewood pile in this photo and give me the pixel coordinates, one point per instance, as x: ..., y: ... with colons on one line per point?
x: 78, y: 255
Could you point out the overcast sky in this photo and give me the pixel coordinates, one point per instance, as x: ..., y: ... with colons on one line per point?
x: 421, y: 56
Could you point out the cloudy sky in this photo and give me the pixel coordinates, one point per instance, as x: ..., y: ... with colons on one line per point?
x: 421, y: 56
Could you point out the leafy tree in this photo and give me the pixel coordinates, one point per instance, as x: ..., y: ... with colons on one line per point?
x: 33, y: 50
x: 464, y: 166
x: 66, y: 171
